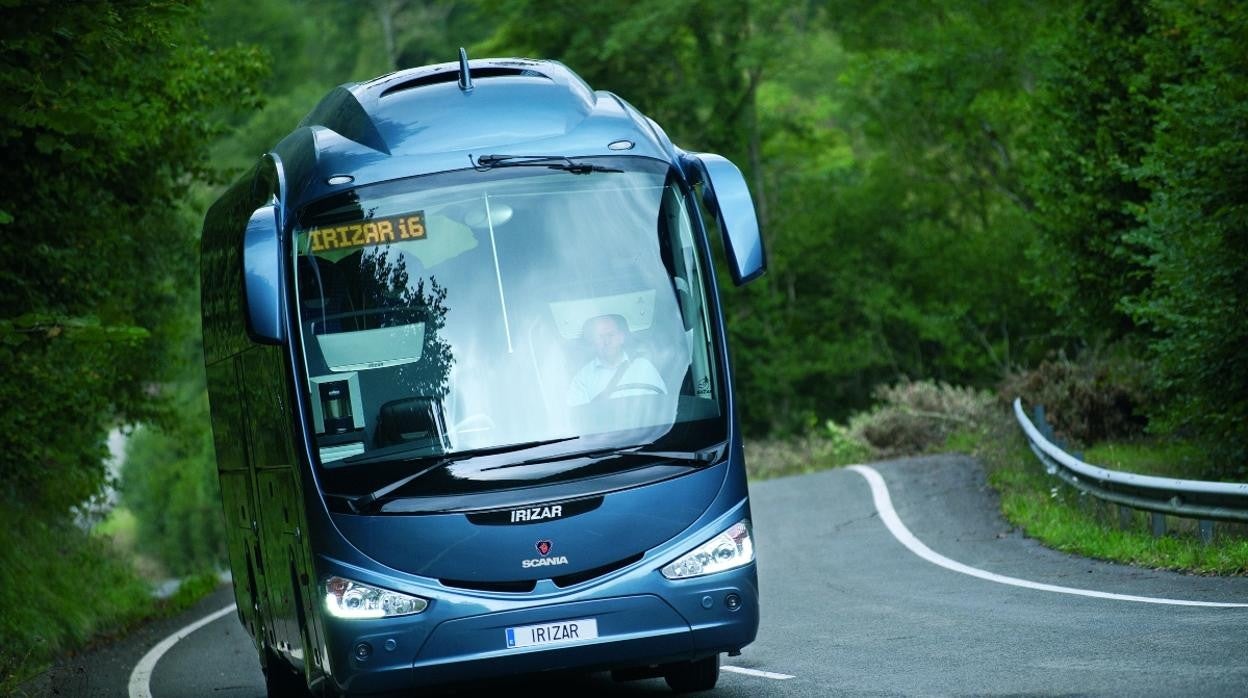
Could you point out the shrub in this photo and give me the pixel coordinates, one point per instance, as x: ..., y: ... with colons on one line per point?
x: 914, y: 417
x: 815, y: 450
x: 1093, y: 398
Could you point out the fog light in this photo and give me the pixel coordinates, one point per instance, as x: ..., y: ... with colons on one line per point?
x: 363, y: 651
x: 732, y: 601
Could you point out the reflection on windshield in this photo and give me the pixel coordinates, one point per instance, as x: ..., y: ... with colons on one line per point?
x: 468, y: 310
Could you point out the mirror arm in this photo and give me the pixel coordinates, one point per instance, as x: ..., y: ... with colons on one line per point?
x: 726, y: 195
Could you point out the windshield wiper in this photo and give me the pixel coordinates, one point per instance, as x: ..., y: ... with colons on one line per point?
x: 697, y: 459
x: 362, y: 503
x: 554, y: 162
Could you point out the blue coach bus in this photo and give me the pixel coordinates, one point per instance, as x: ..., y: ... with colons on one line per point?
x: 470, y: 389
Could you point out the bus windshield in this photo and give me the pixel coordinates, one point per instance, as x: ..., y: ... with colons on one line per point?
x: 528, y: 311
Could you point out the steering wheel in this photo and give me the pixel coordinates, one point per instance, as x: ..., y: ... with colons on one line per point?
x: 648, y: 388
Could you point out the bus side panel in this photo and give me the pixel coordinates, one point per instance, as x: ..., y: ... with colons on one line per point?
x: 277, y: 535
x: 236, y: 493
x: 238, y: 450
x: 288, y: 580
x: 237, y: 496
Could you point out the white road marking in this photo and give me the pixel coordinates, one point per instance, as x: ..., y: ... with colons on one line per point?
x: 755, y: 672
x: 884, y: 504
x: 141, y: 677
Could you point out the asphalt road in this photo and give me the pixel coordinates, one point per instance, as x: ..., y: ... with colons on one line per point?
x: 848, y: 610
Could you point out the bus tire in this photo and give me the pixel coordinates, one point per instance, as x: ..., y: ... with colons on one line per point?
x: 280, y: 681
x: 690, y: 677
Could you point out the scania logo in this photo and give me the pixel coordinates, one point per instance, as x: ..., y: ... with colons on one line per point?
x: 544, y: 547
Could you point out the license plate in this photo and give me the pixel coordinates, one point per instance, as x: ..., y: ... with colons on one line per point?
x: 561, y: 633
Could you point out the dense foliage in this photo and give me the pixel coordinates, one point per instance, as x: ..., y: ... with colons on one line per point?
x: 1143, y: 197
x: 1195, y: 227
x: 107, y: 118
x: 109, y: 112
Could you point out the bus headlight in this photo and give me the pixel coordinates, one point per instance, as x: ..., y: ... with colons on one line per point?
x: 732, y: 548
x: 345, y: 598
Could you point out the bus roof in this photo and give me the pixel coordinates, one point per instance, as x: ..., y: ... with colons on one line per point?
x: 423, y: 120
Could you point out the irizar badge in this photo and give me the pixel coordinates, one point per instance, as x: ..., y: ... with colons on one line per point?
x: 537, y: 514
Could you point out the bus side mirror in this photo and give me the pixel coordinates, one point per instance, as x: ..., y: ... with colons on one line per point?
x: 262, y: 277
x: 727, y: 195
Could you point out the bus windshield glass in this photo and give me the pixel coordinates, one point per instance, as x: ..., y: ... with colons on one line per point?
x: 536, y: 312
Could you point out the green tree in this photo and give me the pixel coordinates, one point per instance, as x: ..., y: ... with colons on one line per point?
x: 1141, y: 200
x: 1094, y: 116
x: 109, y: 108
x: 899, y: 221
x: 1194, y: 225
x: 104, y: 127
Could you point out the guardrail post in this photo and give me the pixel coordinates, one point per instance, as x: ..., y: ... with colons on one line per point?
x: 1102, y: 510
x: 1086, y: 504
x: 1049, y: 433
x: 1159, y: 524
x: 1124, y: 516
x: 1206, y: 531
x: 1043, y: 424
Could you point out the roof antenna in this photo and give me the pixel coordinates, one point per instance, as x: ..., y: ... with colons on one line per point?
x: 465, y: 77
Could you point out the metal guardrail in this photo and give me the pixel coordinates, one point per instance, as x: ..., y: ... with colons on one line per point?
x: 1193, y: 499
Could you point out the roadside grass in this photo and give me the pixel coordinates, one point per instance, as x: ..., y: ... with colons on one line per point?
x: 1181, y: 459
x: 59, y: 588
x: 192, y: 589
x: 63, y: 589
x: 1062, y: 518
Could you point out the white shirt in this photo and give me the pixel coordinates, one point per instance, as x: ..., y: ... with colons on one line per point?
x: 594, y: 377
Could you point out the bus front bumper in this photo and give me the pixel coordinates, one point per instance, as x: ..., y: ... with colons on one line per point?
x: 683, y: 621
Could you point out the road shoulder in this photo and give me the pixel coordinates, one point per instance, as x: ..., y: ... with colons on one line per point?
x: 103, y: 669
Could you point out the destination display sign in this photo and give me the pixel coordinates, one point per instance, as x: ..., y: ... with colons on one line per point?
x: 375, y: 231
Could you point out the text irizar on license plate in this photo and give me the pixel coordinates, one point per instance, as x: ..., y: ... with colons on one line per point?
x: 561, y: 633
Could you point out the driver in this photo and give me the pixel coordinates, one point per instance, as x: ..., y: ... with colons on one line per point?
x: 612, y: 372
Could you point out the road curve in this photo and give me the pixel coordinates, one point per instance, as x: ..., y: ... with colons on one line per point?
x: 848, y: 609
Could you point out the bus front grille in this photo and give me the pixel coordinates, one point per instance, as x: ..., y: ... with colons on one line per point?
x: 568, y: 580
x: 527, y: 585
x: 513, y: 587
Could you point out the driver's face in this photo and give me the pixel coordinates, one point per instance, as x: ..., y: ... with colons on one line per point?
x: 607, y: 339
